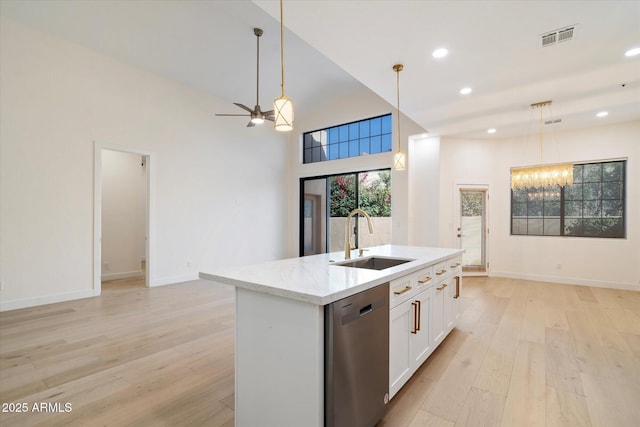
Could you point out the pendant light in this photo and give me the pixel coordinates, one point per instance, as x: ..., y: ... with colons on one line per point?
x: 282, y: 107
x: 541, y: 176
x: 399, y: 159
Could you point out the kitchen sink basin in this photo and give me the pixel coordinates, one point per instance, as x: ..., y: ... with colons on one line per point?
x: 373, y: 262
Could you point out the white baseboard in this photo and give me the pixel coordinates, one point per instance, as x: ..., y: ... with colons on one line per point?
x: 123, y: 275
x: 50, y: 299
x: 567, y: 280
x: 174, y: 279
x: 45, y: 299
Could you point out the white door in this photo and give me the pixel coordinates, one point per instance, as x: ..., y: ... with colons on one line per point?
x: 472, y: 232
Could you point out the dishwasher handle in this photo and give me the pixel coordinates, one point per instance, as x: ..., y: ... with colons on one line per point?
x: 350, y: 312
x: 366, y: 310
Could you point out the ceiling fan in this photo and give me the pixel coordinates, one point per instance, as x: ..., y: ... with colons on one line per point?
x: 257, y: 115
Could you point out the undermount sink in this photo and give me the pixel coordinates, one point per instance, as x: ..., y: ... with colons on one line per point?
x: 373, y: 262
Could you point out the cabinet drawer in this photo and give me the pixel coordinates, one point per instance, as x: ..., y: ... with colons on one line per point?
x: 455, y: 264
x: 401, y: 290
x: 441, y: 269
x: 424, y: 278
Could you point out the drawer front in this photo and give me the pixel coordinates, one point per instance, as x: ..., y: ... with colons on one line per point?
x: 455, y: 264
x: 441, y: 269
x: 401, y: 290
x: 424, y: 278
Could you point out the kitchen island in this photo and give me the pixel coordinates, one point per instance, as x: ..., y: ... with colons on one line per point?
x: 280, y: 324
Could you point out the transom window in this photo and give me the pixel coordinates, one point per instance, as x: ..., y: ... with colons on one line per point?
x: 370, y: 136
x: 594, y: 206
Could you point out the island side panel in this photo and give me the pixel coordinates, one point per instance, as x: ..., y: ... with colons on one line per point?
x: 279, y: 361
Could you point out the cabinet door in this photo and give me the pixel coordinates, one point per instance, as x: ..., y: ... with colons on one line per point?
x: 400, y: 327
x: 448, y: 315
x: 456, y: 291
x: 437, y: 310
x: 421, y: 345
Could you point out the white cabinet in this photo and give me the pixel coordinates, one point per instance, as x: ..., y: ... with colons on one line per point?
x: 453, y: 292
x: 409, y: 341
x: 452, y: 301
x: 438, y: 313
x: 400, y: 357
x: 424, y: 309
x: 420, y: 340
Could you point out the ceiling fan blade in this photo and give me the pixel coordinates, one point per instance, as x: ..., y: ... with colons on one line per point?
x: 238, y: 115
x: 268, y: 113
x: 270, y: 118
x: 250, y: 124
x: 244, y: 107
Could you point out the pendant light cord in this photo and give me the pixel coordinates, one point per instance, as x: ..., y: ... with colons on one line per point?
x: 282, y: 47
x: 397, y: 68
x: 258, y: 67
x: 540, y: 134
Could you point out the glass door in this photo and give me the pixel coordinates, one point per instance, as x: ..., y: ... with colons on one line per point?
x: 327, y: 201
x: 472, y: 231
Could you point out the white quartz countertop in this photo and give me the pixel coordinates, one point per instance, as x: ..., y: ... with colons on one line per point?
x: 316, y: 280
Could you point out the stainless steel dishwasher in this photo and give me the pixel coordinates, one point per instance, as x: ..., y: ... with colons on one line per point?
x: 357, y: 359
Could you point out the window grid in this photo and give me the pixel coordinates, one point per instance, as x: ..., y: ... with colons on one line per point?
x: 594, y: 206
x: 369, y: 136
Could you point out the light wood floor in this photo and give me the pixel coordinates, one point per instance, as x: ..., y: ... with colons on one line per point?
x: 523, y: 354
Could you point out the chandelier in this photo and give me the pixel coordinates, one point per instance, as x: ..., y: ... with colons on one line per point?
x: 541, y: 176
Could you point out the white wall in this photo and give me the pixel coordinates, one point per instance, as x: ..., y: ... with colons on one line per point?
x: 217, y: 183
x: 424, y: 191
x: 124, y: 197
x: 590, y: 261
x: 358, y: 105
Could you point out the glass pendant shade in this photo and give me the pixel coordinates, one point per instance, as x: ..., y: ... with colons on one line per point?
x: 283, y: 112
x: 399, y: 161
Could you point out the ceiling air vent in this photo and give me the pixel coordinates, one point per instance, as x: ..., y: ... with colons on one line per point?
x: 549, y: 39
x: 565, y: 34
x: 558, y: 36
x: 550, y: 122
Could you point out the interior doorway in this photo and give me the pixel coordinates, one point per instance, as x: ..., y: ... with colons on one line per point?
x: 472, y: 232
x: 122, y: 217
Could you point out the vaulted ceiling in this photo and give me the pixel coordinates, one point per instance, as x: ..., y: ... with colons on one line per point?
x: 340, y: 47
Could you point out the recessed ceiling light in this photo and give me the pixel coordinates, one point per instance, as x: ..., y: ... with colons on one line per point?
x: 440, y: 53
x: 492, y: 130
x: 466, y: 91
x: 602, y: 114
x: 633, y: 52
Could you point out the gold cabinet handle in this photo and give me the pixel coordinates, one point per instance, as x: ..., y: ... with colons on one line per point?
x: 416, y: 317
x: 455, y: 265
x: 457, y: 295
x: 441, y: 272
x: 406, y: 289
x: 441, y: 287
x: 425, y: 280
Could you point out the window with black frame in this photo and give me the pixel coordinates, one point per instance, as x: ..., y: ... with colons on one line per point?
x: 364, y: 137
x: 594, y: 206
